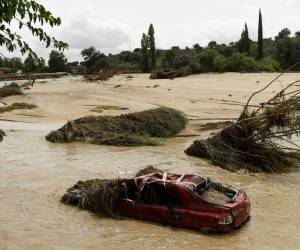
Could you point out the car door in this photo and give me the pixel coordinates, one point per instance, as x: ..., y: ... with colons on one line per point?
x: 153, y: 204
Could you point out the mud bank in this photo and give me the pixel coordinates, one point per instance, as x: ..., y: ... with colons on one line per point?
x: 35, y: 173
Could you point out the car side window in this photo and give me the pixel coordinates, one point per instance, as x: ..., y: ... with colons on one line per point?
x: 157, y: 194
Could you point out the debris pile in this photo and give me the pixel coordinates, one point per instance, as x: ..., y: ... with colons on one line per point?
x: 168, y: 74
x: 15, y: 106
x: 11, y: 89
x: 99, y: 196
x: 103, y: 75
x: 261, y: 140
x: 134, y: 129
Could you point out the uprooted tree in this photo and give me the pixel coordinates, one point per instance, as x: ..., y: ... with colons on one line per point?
x: 262, y: 139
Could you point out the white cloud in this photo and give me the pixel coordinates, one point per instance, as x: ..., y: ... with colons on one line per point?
x: 108, y: 36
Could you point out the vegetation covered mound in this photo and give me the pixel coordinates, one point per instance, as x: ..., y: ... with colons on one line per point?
x: 99, y: 196
x: 14, y: 106
x: 261, y: 140
x: 11, y: 89
x: 102, y: 75
x: 135, y: 129
x: 2, y: 134
x: 169, y: 74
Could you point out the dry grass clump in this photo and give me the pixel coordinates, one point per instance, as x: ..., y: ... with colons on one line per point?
x: 15, y: 106
x: 97, y: 196
x: 168, y: 74
x: 104, y: 75
x: 135, y: 129
x: 100, y: 196
x: 11, y: 89
x: 147, y: 170
x: 261, y: 140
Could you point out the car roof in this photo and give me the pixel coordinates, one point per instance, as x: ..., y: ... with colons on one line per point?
x: 186, y: 180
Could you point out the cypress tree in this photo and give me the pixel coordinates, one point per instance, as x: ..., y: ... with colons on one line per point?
x: 244, y: 42
x: 260, y: 53
x: 152, y: 52
x: 144, y: 50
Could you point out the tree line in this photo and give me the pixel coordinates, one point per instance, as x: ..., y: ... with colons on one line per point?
x: 244, y: 55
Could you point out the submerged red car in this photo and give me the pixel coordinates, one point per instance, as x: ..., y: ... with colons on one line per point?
x: 188, y: 201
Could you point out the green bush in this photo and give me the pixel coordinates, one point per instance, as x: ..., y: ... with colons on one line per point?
x: 206, y: 58
x: 241, y: 63
x: 187, y: 71
x: 268, y: 64
x: 195, y: 67
x: 219, y: 64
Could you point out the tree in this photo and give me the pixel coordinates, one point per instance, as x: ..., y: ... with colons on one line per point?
x: 197, y: 47
x: 34, y: 64
x: 152, y: 52
x: 297, y: 34
x: 212, y: 45
x: 169, y: 58
x: 94, y: 60
x: 14, y: 64
x: 244, y: 43
x: 57, y: 61
x: 28, y: 14
x: 287, y: 52
x: 144, y: 50
x: 283, y: 34
x: 260, y: 52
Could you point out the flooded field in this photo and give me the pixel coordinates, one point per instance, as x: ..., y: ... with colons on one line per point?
x: 35, y: 173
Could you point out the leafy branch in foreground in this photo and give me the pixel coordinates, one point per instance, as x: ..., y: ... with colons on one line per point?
x: 31, y: 15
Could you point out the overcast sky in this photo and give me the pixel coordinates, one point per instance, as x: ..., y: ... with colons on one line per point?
x: 115, y: 25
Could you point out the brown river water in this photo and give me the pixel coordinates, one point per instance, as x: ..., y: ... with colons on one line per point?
x: 35, y: 173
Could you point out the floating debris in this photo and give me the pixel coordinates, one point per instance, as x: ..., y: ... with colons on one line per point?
x: 134, y: 129
x: 15, y: 106
x: 11, y: 89
x: 261, y: 140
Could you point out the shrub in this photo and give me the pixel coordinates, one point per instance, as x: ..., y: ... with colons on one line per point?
x: 241, y: 63
x: 268, y: 64
x: 219, y: 64
x: 195, y: 67
x: 206, y: 59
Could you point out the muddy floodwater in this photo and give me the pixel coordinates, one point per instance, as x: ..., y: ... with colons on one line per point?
x: 35, y: 173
